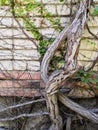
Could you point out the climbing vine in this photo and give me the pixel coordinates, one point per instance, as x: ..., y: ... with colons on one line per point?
x: 21, y: 9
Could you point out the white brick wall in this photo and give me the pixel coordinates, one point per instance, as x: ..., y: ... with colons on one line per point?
x: 17, y: 52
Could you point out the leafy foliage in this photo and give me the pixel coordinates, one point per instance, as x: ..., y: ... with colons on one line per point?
x: 86, y: 76
x: 95, y: 11
x: 2, y: 2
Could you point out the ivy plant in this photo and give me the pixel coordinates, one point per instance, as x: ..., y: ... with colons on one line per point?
x: 95, y: 11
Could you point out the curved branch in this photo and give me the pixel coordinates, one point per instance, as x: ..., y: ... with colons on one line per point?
x: 74, y: 34
x: 24, y: 115
x: 95, y: 36
x: 78, y: 109
x: 65, y: 33
x: 22, y: 105
x: 92, y: 64
x: 48, y: 55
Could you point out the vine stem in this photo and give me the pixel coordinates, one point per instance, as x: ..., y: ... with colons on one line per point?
x: 73, y: 34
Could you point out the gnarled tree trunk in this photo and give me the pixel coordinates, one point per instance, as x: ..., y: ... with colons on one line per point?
x: 73, y: 35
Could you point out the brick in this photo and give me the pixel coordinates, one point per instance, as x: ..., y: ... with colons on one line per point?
x: 87, y: 55
x: 5, y: 65
x: 51, y: 8
x: 93, y: 21
x: 37, y: 21
x: 63, y: 10
x: 6, y: 44
x: 26, y: 55
x: 34, y: 66
x: 30, y: 84
x: 49, y: 32
x: 50, y: 1
x: 19, y: 75
x: 21, y: 44
x: 20, y: 65
x: 20, y: 92
x: 20, y: 83
x: 20, y: 34
x: 5, y: 54
x: 35, y: 12
x: 57, y: 1
x: 86, y: 34
x: 65, y: 21
x: 89, y: 44
x: 41, y: 22
x: 5, y: 11
x: 5, y: 33
x: 20, y: 23
x: 6, y: 22
x: 5, y: 84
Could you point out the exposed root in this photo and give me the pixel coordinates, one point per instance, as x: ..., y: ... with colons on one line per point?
x: 68, y: 123
x: 78, y: 109
x: 54, y: 112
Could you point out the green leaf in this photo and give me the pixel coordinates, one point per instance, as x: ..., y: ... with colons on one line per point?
x: 91, y: 80
x: 83, y: 79
x: 2, y: 2
x: 61, y: 0
x: 95, y: 11
x: 96, y: 80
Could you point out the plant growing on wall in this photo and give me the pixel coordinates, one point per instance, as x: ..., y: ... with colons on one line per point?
x: 73, y: 35
x: 47, y: 46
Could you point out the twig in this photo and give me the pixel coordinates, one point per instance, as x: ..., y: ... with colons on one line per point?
x: 90, y: 66
x: 96, y: 37
x: 21, y: 105
x: 24, y: 115
x: 78, y: 109
x: 68, y: 123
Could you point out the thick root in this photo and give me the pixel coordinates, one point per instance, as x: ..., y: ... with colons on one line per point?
x: 78, y: 109
x: 54, y: 112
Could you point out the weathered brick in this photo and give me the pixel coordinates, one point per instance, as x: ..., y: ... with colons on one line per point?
x: 34, y: 66
x: 87, y: 34
x: 20, y: 65
x: 65, y: 21
x: 5, y: 54
x: 49, y: 32
x: 6, y: 22
x: 50, y: 1
x: 20, y: 75
x: 29, y: 65
x: 6, y: 33
x: 26, y: 55
x: 18, y: 33
x: 6, y: 65
x: 89, y: 44
x: 86, y: 55
x: 93, y: 21
x: 30, y: 84
x: 25, y: 44
x: 51, y: 8
x: 6, y: 44
x: 20, y: 92
x: 63, y: 10
x: 58, y: 1
x: 5, y: 11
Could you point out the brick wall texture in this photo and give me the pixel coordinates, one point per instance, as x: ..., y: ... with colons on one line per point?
x: 19, y: 57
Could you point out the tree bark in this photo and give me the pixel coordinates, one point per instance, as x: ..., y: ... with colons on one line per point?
x: 90, y: 115
x: 73, y: 35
